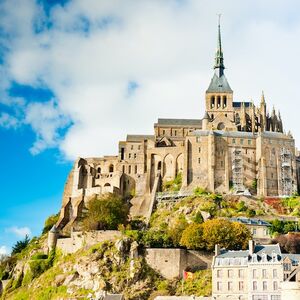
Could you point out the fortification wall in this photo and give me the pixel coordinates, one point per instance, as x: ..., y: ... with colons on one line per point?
x: 171, y: 263
x: 80, y: 239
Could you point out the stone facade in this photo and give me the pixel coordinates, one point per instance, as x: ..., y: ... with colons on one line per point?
x: 171, y: 263
x: 236, y: 147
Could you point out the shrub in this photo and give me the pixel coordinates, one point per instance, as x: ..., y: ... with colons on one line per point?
x: 241, y: 206
x: 250, y: 213
x: 198, y: 191
x: 192, y: 237
x: 198, y: 219
x: 176, y: 230
x: 106, y: 212
x: 50, y: 222
x: 156, y: 239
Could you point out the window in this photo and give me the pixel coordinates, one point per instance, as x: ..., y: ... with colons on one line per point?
x: 260, y: 297
x: 163, y: 132
x: 129, y: 155
x: 230, y: 273
x: 241, y: 285
x: 265, y: 286
x: 254, y: 285
x: 131, y: 147
x: 218, y: 101
x: 230, y: 285
x: 274, y: 273
x: 287, y: 267
x: 135, y: 169
x: 222, y: 163
x: 123, y: 169
x: 224, y: 101
x: 111, y: 168
x: 254, y: 273
x: 254, y: 232
x: 212, y: 102
x: 134, y: 155
x: 264, y: 273
x: 98, y: 170
x: 129, y: 169
x: 199, y: 160
x: 219, y: 273
x: 175, y: 132
x: 241, y: 141
x: 241, y: 273
x: 249, y: 142
x: 139, y: 147
x: 219, y: 286
x: 199, y: 149
x: 233, y: 141
x: 275, y: 285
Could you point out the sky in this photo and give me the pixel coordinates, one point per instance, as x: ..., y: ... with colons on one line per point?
x: 76, y: 76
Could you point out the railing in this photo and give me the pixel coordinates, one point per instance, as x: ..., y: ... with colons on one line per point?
x: 171, y: 196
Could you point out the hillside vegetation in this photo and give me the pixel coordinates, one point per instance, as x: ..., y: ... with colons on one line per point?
x: 196, y: 222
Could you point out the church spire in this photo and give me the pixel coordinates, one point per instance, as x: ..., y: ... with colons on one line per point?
x: 219, y: 60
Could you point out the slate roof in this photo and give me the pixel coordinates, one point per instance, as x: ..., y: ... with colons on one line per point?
x: 295, y: 258
x: 241, y: 134
x: 234, y: 254
x: 249, y: 221
x: 139, y: 137
x: 219, y: 85
x: 267, y: 249
x: 180, y: 122
x: 239, y: 104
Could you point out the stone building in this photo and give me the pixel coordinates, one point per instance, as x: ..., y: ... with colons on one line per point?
x: 254, y: 274
x: 235, y: 147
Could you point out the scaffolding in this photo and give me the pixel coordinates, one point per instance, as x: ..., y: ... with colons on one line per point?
x: 237, y: 171
x: 286, y: 173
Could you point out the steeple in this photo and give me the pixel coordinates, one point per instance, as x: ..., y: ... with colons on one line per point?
x: 219, y: 60
x: 262, y: 98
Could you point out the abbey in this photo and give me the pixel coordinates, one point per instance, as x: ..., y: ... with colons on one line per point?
x: 236, y: 147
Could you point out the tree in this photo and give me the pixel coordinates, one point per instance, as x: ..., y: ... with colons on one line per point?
x: 289, y: 243
x: 20, y: 245
x: 176, y: 230
x: 192, y: 237
x: 50, y: 222
x: 105, y: 212
x: 230, y: 235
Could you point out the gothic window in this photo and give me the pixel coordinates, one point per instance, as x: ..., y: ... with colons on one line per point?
x: 199, y: 160
x: 123, y: 169
x: 129, y: 169
x: 212, y: 102
x: 135, y: 169
x: 265, y: 286
x: 131, y: 147
x: 98, y: 170
x: 134, y: 155
x: 111, y: 168
x: 224, y: 101
x: 218, y: 101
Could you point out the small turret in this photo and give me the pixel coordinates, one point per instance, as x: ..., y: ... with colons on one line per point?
x: 52, y: 238
x: 205, y: 121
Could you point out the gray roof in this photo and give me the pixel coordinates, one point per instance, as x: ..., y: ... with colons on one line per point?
x: 219, y: 85
x: 138, y: 137
x: 180, y: 122
x: 239, y: 104
x: 241, y: 134
x: 249, y: 221
x: 267, y: 249
x: 233, y: 254
x: 114, y: 297
x: 295, y: 258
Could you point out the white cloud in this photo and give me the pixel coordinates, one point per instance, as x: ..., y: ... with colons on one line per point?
x: 19, y: 231
x: 8, y: 121
x: 167, y: 47
x: 3, y: 251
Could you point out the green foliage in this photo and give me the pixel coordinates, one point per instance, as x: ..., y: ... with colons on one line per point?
x: 198, y: 219
x: 50, y: 222
x: 105, y: 212
x: 176, y: 230
x: 198, y: 191
x: 20, y: 245
x: 241, y: 206
x: 283, y: 227
x: 39, y: 266
x: 173, y: 185
x: 39, y: 255
x: 192, y: 237
x: 200, y: 285
x: 156, y: 239
x: 254, y: 184
x: 250, y: 213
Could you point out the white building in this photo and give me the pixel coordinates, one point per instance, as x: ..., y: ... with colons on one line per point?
x: 253, y: 274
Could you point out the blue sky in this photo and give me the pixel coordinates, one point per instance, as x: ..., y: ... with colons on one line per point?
x: 77, y: 76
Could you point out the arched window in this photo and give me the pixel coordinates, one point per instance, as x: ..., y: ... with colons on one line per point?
x: 212, y: 102
x: 135, y: 169
x: 218, y: 101
x: 123, y: 169
x: 224, y: 101
x: 107, y: 184
x: 98, y: 170
x: 111, y: 168
x: 129, y: 169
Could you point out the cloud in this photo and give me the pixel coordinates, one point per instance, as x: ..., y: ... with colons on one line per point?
x: 114, y: 67
x: 19, y: 231
x: 3, y: 251
x: 8, y: 121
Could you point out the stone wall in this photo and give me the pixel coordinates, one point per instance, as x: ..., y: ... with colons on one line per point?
x: 170, y: 263
x: 290, y: 290
x: 79, y: 239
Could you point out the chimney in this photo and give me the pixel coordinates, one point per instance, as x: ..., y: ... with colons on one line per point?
x: 251, y: 247
x: 217, y: 250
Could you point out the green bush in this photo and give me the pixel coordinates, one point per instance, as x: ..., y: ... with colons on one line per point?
x: 198, y: 219
x: 105, y: 212
x: 50, y: 222
x: 192, y: 237
x: 39, y: 255
x: 250, y: 213
x: 156, y: 239
x: 241, y: 206
x: 198, y: 191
